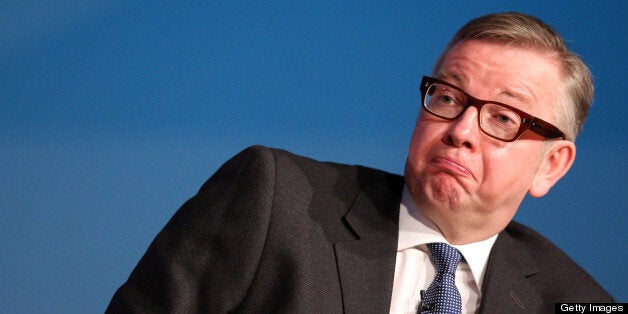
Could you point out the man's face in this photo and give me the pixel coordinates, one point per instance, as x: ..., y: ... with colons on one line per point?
x: 462, y: 179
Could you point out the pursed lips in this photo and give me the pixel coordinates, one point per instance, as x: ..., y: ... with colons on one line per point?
x: 453, y: 166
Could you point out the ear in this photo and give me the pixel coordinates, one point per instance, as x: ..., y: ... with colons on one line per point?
x: 553, y: 166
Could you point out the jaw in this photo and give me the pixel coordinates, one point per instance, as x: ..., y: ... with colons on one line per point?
x: 458, y: 216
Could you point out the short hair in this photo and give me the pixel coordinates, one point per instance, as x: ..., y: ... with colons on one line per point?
x: 528, y: 32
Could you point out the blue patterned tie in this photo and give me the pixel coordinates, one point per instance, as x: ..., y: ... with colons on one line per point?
x: 442, y: 296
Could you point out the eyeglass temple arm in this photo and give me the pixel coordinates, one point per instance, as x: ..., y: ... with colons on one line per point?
x: 545, y: 129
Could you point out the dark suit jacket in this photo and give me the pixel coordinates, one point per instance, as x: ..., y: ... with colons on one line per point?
x: 272, y: 232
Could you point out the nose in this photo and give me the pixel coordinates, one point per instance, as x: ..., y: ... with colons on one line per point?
x: 464, y: 131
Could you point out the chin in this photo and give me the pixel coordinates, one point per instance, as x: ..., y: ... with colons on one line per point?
x: 445, y: 189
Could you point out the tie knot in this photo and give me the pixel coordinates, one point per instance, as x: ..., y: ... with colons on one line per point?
x: 445, y: 256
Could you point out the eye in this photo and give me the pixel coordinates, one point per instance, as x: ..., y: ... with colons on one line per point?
x: 446, y: 99
x: 503, y: 119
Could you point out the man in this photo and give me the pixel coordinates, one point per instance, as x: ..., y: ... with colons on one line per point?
x: 275, y: 232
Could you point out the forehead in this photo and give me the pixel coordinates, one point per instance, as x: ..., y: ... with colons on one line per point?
x: 496, y: 72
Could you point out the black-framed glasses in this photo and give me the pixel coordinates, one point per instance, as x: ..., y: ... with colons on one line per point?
x: 495, y: 119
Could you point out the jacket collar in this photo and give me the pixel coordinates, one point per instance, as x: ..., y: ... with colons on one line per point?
x: 366, y: 265
x: 506, y: 287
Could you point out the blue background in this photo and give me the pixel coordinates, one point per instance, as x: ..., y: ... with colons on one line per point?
x: 112, y: 114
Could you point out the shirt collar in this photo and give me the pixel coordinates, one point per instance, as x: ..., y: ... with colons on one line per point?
x: 416, y: 230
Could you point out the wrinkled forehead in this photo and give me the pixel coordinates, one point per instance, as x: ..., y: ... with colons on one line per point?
x: 518, y: 76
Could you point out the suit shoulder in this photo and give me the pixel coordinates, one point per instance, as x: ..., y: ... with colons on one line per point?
x: 539, y: 248
x: 536, y: 244
x: 556, y: 266
x: 285, y: 161
x: 296, y: 176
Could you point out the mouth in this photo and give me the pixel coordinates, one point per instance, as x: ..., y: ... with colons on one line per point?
x: 453, y: 167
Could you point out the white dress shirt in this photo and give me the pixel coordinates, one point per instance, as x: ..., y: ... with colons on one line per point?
x: 414, y: 271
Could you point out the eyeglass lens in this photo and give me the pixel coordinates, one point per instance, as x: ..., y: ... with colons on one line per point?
x: 495, y: 120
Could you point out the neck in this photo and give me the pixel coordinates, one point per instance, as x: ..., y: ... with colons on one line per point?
x: 459, y: 229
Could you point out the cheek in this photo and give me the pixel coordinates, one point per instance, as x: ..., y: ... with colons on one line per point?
x: 420, y: 143
x: 418, y: 150
x: 505, y: 169
x: 425, y: 133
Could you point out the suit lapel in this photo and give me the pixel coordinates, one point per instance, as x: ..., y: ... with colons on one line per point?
x: 506, y: 287
x: 366, y: 266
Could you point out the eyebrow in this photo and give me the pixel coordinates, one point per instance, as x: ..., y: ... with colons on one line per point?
x: 459, y: 79
x: 444, y: 75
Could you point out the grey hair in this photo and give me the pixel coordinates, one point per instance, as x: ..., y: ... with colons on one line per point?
x: 524, y: 31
